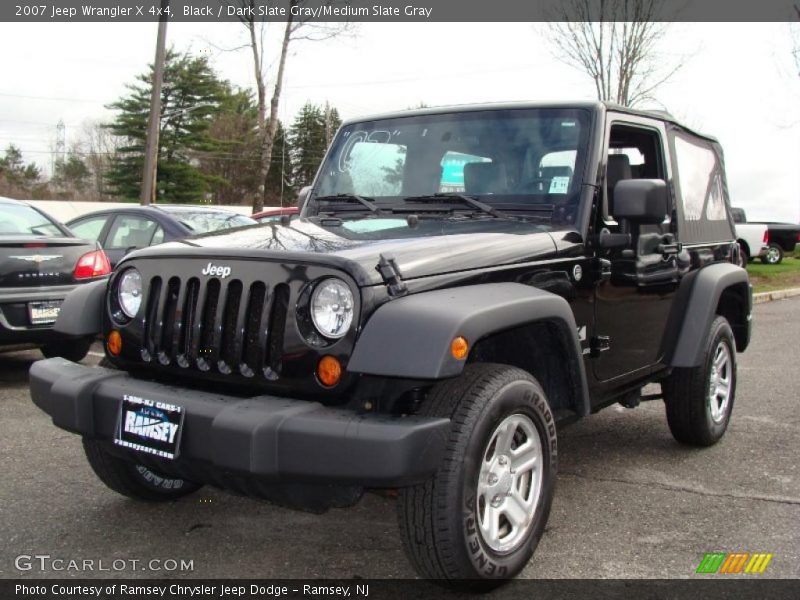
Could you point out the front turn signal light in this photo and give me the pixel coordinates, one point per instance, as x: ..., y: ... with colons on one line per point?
x: 459, y: 348
x: 329, y: 371
x: 114, y: 343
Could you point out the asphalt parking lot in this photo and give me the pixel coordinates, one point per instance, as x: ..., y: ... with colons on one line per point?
x: 630, y: 502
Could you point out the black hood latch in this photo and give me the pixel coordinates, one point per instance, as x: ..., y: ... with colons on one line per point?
x: 390, y: 272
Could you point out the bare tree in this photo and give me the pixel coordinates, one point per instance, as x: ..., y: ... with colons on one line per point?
x: 615, y: 42
x: 296, y: 29
x: 97, y: 145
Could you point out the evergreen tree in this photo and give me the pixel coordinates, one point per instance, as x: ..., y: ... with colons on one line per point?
x: 192, y: 95
x: 232, y: 167
x: 16, y: 177
x: 310, y: 135
x: 71, y: 175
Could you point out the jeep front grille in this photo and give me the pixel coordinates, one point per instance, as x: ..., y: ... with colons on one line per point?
x: 212, y: 324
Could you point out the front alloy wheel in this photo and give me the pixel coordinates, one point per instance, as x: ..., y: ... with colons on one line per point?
x: 481, y: 516
x: 510, y: 483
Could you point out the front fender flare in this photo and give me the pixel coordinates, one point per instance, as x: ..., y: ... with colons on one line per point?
x: 81, y: 313
x: 410, y: 337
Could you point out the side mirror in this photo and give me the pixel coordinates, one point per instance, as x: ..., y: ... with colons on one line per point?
x: 642, y: 201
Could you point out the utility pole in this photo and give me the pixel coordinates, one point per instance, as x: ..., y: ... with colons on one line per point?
x: 61, y: 147
x: 154, y: 123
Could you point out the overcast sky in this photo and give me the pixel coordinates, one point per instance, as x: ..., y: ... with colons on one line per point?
x: 738, y: 83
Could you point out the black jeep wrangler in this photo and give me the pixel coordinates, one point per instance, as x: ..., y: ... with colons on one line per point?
x: 461, y: 282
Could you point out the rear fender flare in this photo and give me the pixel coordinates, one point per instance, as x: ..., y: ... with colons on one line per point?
x: 695, y: 307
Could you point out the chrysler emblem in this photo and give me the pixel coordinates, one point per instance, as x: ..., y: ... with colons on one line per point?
x: 37, y: 258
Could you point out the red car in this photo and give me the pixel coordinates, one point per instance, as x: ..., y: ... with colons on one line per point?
x: 274, y: 214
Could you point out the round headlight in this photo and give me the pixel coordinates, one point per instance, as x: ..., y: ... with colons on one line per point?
x: 129, y: 292
x: 332, y: 308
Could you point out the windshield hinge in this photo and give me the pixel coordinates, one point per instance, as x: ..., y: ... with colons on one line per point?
x: 390, y: 272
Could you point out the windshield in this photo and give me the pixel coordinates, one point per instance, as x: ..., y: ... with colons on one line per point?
x: 519, y: 161
x: 19, y: 219
x: 205, y: 221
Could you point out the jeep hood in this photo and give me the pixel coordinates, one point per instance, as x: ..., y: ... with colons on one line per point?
x: 432, y: 247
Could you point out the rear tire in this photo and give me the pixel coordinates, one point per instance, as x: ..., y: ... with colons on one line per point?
x: 483, y: 513
x: 72, y: 350
x: 774, y: 255
x: 132, y: 480
x: 699, y: 400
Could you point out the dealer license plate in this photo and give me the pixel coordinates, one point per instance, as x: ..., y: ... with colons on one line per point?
x: 149, y: 426
x: 44, y: 312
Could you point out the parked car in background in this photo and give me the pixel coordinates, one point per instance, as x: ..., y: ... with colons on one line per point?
x: 275, y: 214
x: 752, y: 237
x: 40, y: 262
x: 781, y: 238
x: 120, y: 231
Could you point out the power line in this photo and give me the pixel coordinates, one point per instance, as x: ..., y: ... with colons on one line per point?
x: 232, y: 157
x: 59, y: 99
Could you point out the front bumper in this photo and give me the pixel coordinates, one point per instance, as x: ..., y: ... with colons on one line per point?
x: 271, y: 438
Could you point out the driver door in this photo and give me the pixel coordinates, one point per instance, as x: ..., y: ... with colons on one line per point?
x: 632, y: 305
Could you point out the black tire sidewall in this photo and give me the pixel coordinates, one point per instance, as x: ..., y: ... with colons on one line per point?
x: 721, y: 331
x: 526, y: 397
x: 744, y: 257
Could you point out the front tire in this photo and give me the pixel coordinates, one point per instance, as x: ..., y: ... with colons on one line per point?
x: 774, y: 255
x: 699, y: 400
x: 744, y: 255
x: 483, y: 513
x: 132, y: 480
x: 72, y: 350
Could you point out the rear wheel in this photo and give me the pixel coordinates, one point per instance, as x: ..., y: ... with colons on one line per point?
x: 482, y: 514
x: 134, y: 480
x: 774, y: 255
x: 699, y: 400
x: 73, y: 350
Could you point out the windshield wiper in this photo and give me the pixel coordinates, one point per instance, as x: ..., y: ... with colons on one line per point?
x: 364, y: 201
x: 468, y: 200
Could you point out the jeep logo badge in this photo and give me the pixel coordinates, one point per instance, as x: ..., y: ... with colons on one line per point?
x: 213, y: 270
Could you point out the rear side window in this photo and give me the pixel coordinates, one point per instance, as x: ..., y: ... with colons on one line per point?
x: 700, y: 182
x: 19, y: 219
x: 701, y: 193
x: 90, y: 228
x: 131, y: 232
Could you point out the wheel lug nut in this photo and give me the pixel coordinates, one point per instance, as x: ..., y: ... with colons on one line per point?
x: 496, y: 501
x: 492, y: 478
x: 502, y: 460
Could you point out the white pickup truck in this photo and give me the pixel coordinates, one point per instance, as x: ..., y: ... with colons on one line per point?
x: 752, y: 237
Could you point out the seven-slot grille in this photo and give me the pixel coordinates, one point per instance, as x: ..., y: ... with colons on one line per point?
x: 212, y: 324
